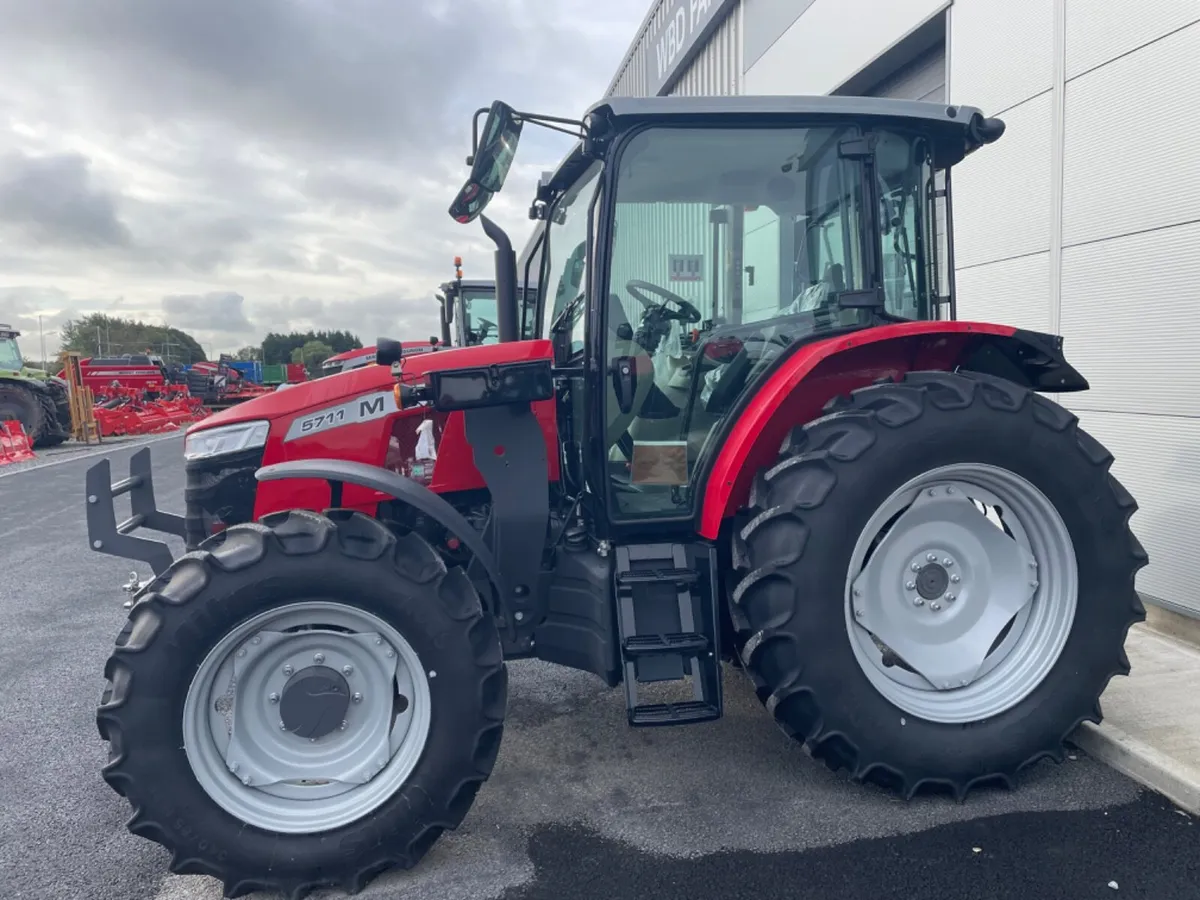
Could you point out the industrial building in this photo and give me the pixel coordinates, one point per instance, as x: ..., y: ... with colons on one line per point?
x: 1084, y: 219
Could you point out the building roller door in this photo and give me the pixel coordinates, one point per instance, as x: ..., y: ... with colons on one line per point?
x: 924, y: 78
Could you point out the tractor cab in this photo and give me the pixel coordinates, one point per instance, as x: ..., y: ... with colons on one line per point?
x: 468, y: 310
x: 10, y: 351
x: 469, y: 313
x: 725, y: 232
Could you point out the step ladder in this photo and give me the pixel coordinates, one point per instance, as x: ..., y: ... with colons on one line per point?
x: 667, y: 615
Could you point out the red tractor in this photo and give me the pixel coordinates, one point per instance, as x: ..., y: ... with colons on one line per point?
x: 793, y: 457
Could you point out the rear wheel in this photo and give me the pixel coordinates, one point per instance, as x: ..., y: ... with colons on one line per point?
x: 56, y: 428
x: 306, y: 701
x: 21, y: 404
x: 936, y: 581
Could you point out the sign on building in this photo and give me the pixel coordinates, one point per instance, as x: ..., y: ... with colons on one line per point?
x: 686, y: 267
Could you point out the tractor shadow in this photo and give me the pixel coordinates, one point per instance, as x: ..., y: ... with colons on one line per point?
x: 569, y: 759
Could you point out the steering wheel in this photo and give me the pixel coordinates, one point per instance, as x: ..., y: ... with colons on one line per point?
x: 686, y: 313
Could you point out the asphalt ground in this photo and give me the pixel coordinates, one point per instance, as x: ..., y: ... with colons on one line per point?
x: 579, y: 806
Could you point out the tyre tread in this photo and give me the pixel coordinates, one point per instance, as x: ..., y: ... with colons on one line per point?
x: 302, y: 533
x: 801, y: 480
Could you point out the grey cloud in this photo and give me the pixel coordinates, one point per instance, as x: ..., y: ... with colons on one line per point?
x: 54, y: 200
x: 282, y: 148
x: 218, y: 312
x: 350, y: 192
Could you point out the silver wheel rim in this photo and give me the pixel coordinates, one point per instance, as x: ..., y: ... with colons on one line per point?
x: 246, y: 760
x: 961, y: 593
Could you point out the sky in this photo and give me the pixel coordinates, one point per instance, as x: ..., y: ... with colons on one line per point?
x: 231, y: 168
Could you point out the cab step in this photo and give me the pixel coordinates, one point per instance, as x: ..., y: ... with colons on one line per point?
x: 667, y: 615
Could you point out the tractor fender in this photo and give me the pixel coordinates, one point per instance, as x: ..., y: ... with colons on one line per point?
x: 803, y: 381
x: 32, y: 384
x: 394, y: 485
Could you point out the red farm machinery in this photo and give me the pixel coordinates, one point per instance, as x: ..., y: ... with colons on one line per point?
x: 730, y: 415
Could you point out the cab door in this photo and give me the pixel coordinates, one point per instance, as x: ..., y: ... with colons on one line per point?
x: 566, y: 275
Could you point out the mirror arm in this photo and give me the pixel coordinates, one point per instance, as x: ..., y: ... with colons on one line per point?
x: 475, y: 134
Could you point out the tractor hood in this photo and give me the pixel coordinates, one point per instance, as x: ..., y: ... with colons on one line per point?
x: 333, y: 389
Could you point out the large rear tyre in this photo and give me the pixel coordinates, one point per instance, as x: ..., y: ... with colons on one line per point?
x: 54, y: 432
x: 22, y: 404
x: 304, y: 702
x: 936, y: 582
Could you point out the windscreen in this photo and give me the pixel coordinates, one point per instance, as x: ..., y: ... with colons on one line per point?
x: 480, y: 316
x: 729, y: 245
x: 10, y: 354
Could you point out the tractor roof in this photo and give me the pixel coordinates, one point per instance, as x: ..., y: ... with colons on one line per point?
x: 785, y: 106
x: 963, y: 129
x: 470, y: 284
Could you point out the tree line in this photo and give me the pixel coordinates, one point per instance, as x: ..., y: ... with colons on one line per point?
x: 100, y: 334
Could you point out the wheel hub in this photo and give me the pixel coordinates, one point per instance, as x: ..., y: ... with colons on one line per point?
x: 314, y: 702
x: 944, y: 585
x: 932, y: 581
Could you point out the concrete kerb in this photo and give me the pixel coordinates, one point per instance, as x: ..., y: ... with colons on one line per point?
x: 1176, y: 781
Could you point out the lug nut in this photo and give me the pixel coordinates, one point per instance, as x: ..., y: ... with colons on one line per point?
x: 282, y: 726
x: 932, y: 557
x: 242, y: 652
x: 233, y: 767
x: 257, y: 639
x: 288, y: 670
x: 318, y: 658
x: 917, y: 601
x: 273, y: 697
x: 246, y: 780
x: 390, y: 653
x: 916, y: 567
x: 911, y: 585
x: 858, y: 612
x: 955, y: 579
x: 935, y: 606
x: 949, y: 490
x: 347, y: 670
x: 947, y: 562
x: 342, y: 727
x: 357, y: 697
x: 949, y: 598
x: 1033, y: 584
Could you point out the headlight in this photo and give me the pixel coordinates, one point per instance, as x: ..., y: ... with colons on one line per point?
x: 225, y: 439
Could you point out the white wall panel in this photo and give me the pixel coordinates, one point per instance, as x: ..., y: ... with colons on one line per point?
x: 1164, y: 478
x: 832, y: 41
x: 1002, y: 52
x: 1128, y: 320
x: 1011, y: 292
x: 1001, y: 192
x: 1130, y: 158
x: 1101, y: 30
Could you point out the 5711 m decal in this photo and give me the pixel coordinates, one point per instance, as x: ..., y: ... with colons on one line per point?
x: 360, y: 409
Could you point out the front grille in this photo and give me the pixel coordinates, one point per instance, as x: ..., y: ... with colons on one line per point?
x: 219, y: 492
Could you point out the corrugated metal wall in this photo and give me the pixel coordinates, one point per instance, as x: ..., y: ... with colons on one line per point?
x: 716, y: 70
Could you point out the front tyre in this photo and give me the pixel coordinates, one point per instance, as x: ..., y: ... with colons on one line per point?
x: 937, y: 579
x: 304, y: 702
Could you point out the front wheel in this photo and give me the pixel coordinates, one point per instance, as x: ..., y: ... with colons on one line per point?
x: 936, y: 582
x: 306, y: 701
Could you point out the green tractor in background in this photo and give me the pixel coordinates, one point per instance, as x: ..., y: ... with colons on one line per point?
x: 32, y: 397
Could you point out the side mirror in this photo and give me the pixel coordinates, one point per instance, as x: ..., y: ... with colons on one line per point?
x: 470, y: 202
x: 388, y: 351
x: 494, y: 155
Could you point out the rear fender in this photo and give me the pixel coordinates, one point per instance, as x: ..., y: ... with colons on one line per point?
x: 392, y: 484
x: 800, y: 386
